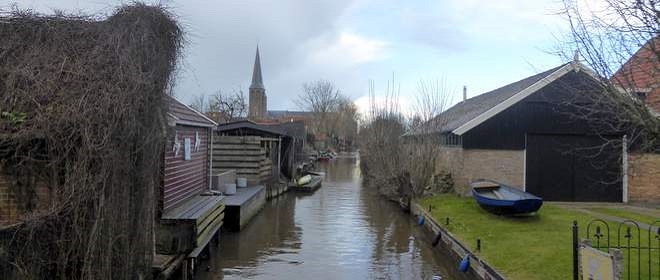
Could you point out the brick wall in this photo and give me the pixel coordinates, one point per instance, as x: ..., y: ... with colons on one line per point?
x: 466, y: 165
x: 644, y: 177
x: 450, y: 159
x: 10, y: 212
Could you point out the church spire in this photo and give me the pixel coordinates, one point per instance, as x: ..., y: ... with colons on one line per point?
x: 257, y: 81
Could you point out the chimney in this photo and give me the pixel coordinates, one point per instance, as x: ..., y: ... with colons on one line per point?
x: 464, y: 93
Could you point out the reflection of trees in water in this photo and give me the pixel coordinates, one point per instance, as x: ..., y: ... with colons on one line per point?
x: 272, y: 231
x: 391, y: 230
x: 382, y: 230
x: 339, y: 169
x: 401, y: 249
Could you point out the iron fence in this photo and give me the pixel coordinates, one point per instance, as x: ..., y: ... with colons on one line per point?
x: 637, y: 249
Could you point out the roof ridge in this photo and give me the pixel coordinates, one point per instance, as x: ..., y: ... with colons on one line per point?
x: 466, y: 111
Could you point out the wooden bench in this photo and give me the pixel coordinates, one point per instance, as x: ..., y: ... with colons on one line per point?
x: 191, y: 225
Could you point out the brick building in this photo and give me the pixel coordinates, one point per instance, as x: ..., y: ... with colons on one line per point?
x: 639, y: 75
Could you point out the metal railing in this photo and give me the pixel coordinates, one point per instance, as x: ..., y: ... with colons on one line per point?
x: 634, y: 250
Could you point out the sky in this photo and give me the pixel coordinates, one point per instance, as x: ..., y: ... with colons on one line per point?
x: 480, y: 44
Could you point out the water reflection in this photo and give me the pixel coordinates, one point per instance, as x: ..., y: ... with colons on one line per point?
x: 342, y: 231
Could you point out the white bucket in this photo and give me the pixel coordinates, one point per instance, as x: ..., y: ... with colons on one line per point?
x: 241, y: 182
x: 230, y: 189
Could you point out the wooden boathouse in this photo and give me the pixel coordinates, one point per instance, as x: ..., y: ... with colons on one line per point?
x: 190, y: 214
x: 260, y: 153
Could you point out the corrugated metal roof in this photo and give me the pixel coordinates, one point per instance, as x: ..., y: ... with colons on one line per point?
x: 469, y: 109
x: 248, y: 125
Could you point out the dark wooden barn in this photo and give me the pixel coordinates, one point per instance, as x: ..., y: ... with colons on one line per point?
x: 528, y: 134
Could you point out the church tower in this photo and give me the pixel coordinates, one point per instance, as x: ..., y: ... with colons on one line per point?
x: 257, y: 109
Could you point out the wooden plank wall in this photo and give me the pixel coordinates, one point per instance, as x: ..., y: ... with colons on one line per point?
x: 243, y: 154
x: 185, y: 178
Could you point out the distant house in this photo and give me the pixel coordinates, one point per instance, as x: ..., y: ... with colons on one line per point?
x: 640, y: 75
x: 523, y: 134
x: 286, y: 116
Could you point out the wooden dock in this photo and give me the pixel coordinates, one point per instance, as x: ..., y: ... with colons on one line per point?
x: 275, y: 190
x: 165, y: 266
x: 310, y: 187
x: 243, y: 206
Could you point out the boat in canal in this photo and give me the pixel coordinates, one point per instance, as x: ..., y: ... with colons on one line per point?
x: 502, y: 199
x: 307, y: 183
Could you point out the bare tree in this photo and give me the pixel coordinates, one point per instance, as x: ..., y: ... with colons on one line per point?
x: 200, y: 103
x: 606, y: 41
x: 380, y: 145
x: 346, y: 120
x: 321, y: 98
x: 432, y: 98
x: 402, y: 168
x: 231, y: 106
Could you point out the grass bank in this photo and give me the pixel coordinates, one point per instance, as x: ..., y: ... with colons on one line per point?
x: 626, y: 214
x: 533, y: 247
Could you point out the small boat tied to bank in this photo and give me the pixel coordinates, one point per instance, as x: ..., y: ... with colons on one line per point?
x: 307, y: 183
x: 502, y: 199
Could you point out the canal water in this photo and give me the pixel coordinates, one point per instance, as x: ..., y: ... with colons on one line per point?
x: 342, y: 231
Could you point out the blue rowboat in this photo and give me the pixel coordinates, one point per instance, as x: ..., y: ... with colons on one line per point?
x: 501, y: 199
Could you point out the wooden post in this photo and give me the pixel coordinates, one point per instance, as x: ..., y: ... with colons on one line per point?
x: 576, y: 272
x: 624, y: 166
x: 279, y: 157
x: 617, y: 255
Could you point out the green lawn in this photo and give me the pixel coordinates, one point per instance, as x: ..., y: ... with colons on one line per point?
x: 626, y: 214
x: 534, y: 247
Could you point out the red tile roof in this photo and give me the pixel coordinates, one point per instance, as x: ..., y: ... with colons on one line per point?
x: 640, y: 73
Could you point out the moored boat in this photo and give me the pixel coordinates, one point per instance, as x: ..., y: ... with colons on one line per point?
x: 307, y: 183
x: 502, y: 199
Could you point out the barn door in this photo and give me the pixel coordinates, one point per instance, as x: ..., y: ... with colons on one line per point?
x: 573, y: 168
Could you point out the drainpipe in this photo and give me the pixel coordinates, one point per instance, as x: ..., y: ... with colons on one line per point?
x: 210, y: 151
x: 624, y: 164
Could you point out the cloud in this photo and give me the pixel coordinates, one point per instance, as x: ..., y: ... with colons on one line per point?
x: 346, y: 50
x: 345, y: 41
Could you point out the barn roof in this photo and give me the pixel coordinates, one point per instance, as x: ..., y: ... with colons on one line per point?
x: 184, y: 115
x: 293, y: 129
x: 467, y: 114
